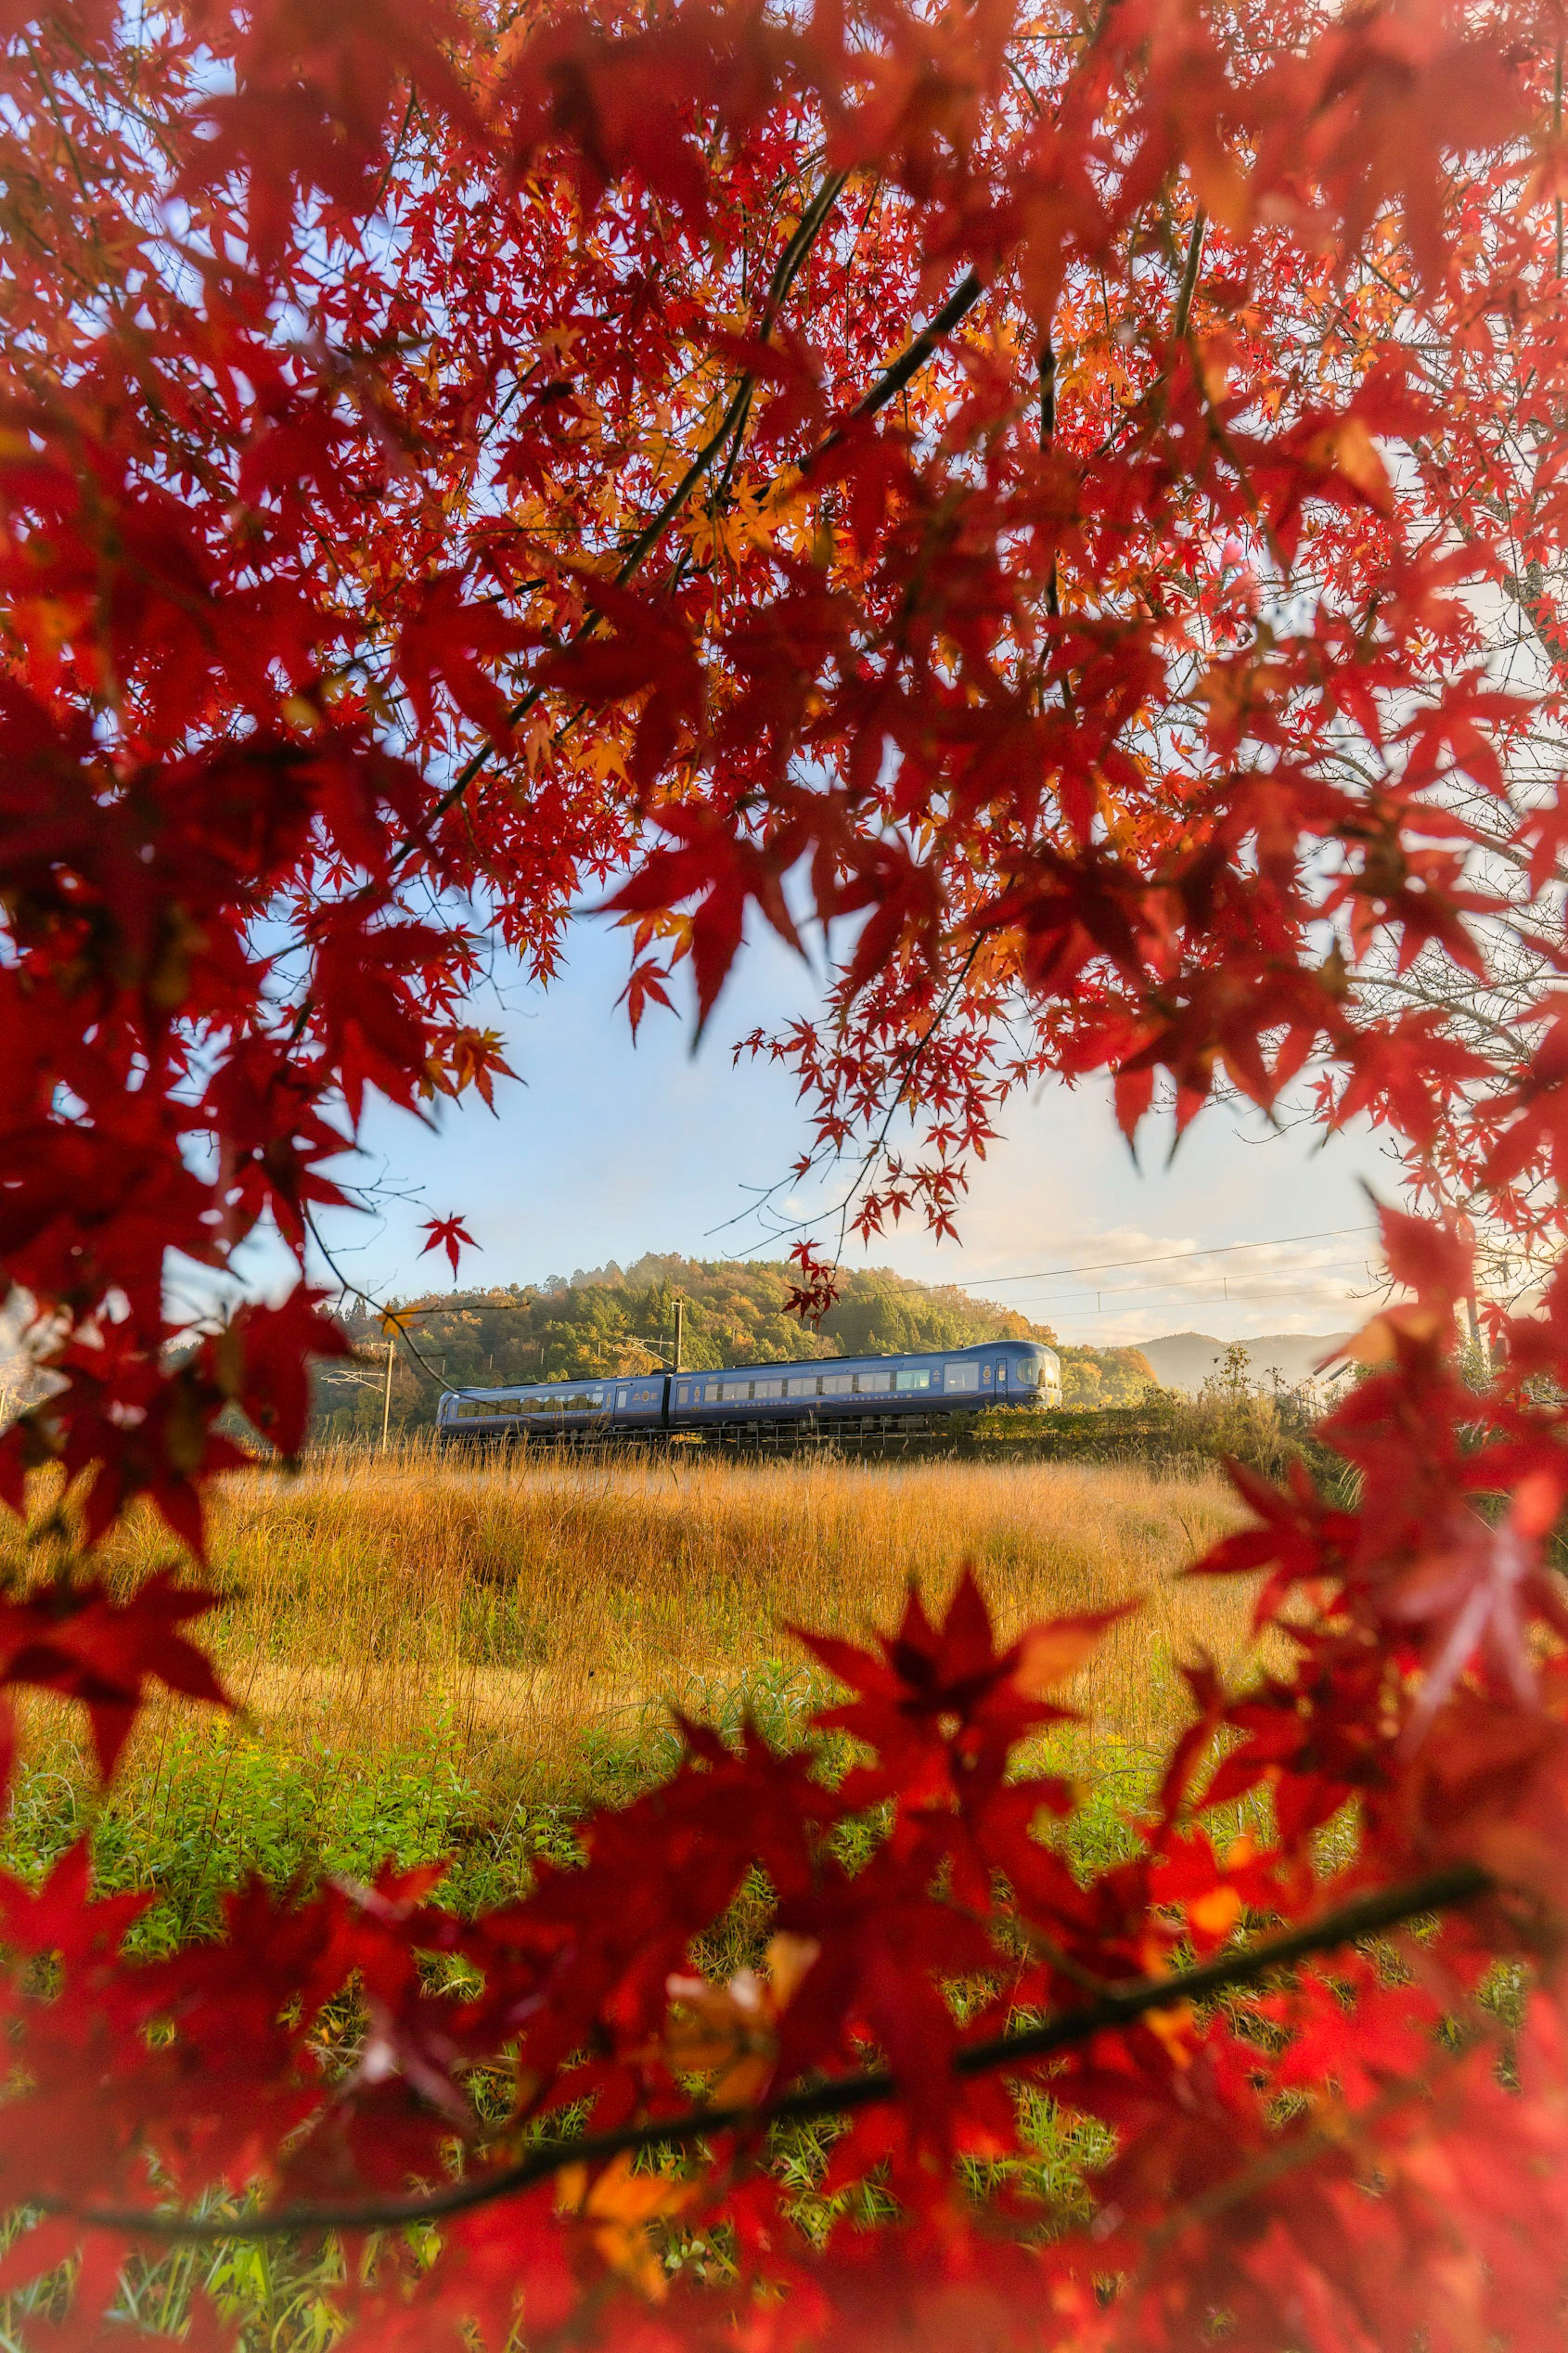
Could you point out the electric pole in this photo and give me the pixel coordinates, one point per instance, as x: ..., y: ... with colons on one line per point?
x: 679, y: 1328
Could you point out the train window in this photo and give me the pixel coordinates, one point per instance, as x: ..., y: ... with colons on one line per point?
x: 623, y: 1396
x: 869, y: 1383
x: 713, y: 1392
x: 962, y: 1377
x: 836, y: 1384
x: 683, y: 1393
x: 1001, y: 1376
x: 767, y: 1388
x: 920, y: 1381
x: 1028, y: 1374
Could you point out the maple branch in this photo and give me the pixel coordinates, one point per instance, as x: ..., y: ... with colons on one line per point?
x: 1047, y: 442
x: 808, y: 229
x: 1189, y: 278
x: 1117, y: 2007
x: 963, y: 299
x: 909, y: 363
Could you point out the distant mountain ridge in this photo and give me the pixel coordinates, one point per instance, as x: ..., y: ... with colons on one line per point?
x: 1184, y: 1360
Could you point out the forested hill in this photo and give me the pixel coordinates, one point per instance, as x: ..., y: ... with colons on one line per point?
x: 617, y: 1319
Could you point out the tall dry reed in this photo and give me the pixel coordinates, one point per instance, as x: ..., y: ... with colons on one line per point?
x: 513, y: 1611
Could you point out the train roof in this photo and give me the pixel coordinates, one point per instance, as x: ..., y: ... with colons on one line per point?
x: 895, y: 1357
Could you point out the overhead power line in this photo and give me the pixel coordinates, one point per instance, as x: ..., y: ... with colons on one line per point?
x: 1169, y: 1258
x: 1326, y: 1298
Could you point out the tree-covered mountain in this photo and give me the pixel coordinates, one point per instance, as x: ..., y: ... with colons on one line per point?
x: 614, y: 1319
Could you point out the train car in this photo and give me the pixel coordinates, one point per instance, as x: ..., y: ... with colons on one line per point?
x: 734, y: 1402
x: 546, y: 1410
x: 882, y: 1391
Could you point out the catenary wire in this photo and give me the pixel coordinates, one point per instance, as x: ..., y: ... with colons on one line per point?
x: 1166, y: 1257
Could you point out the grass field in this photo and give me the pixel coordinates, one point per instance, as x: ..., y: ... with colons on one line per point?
x: 434, y: 1655
x: 439, y: 1657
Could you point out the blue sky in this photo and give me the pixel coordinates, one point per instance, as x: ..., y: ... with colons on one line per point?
x: 605, y: 1149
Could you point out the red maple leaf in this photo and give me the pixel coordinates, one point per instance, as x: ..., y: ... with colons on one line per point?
x: 817, y: 1287
x: 448, y: 641
x: 943, y: 1701
x: 449, y: 1234
x: 263, y: 1358
x: 79, y: 1641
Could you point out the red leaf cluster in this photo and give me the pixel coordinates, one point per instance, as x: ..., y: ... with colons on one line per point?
x: 1073, y: 504
x: 1283, y: 2158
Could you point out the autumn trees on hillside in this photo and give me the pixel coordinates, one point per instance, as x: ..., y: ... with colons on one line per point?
x: 608, y: 1320
x: 1041, y: 492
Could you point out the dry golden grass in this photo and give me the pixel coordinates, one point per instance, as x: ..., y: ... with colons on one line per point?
x: 514, y: 1610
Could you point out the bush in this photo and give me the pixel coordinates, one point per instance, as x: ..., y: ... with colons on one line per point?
x: 1232, y: 1417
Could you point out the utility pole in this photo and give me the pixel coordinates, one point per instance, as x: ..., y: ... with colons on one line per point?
x: 679, y: 1328
x: 1466, y: 1233
x: 386, y: 1401
x: 1478, y: 1337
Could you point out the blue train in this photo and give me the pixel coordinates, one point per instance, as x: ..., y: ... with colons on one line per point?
x: 847, y: 1396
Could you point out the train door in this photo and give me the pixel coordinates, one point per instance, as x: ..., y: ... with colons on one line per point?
x: 623, y: 1396
x: 1002, y: 1377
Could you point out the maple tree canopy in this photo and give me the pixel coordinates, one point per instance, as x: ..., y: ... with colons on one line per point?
x: 1071, y: 496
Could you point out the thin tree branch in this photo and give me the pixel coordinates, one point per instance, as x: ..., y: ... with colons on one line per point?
x: 389, y: 1317
x: 909, y: 363
x: 1189, y: 278
x: 1118, y: 2007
